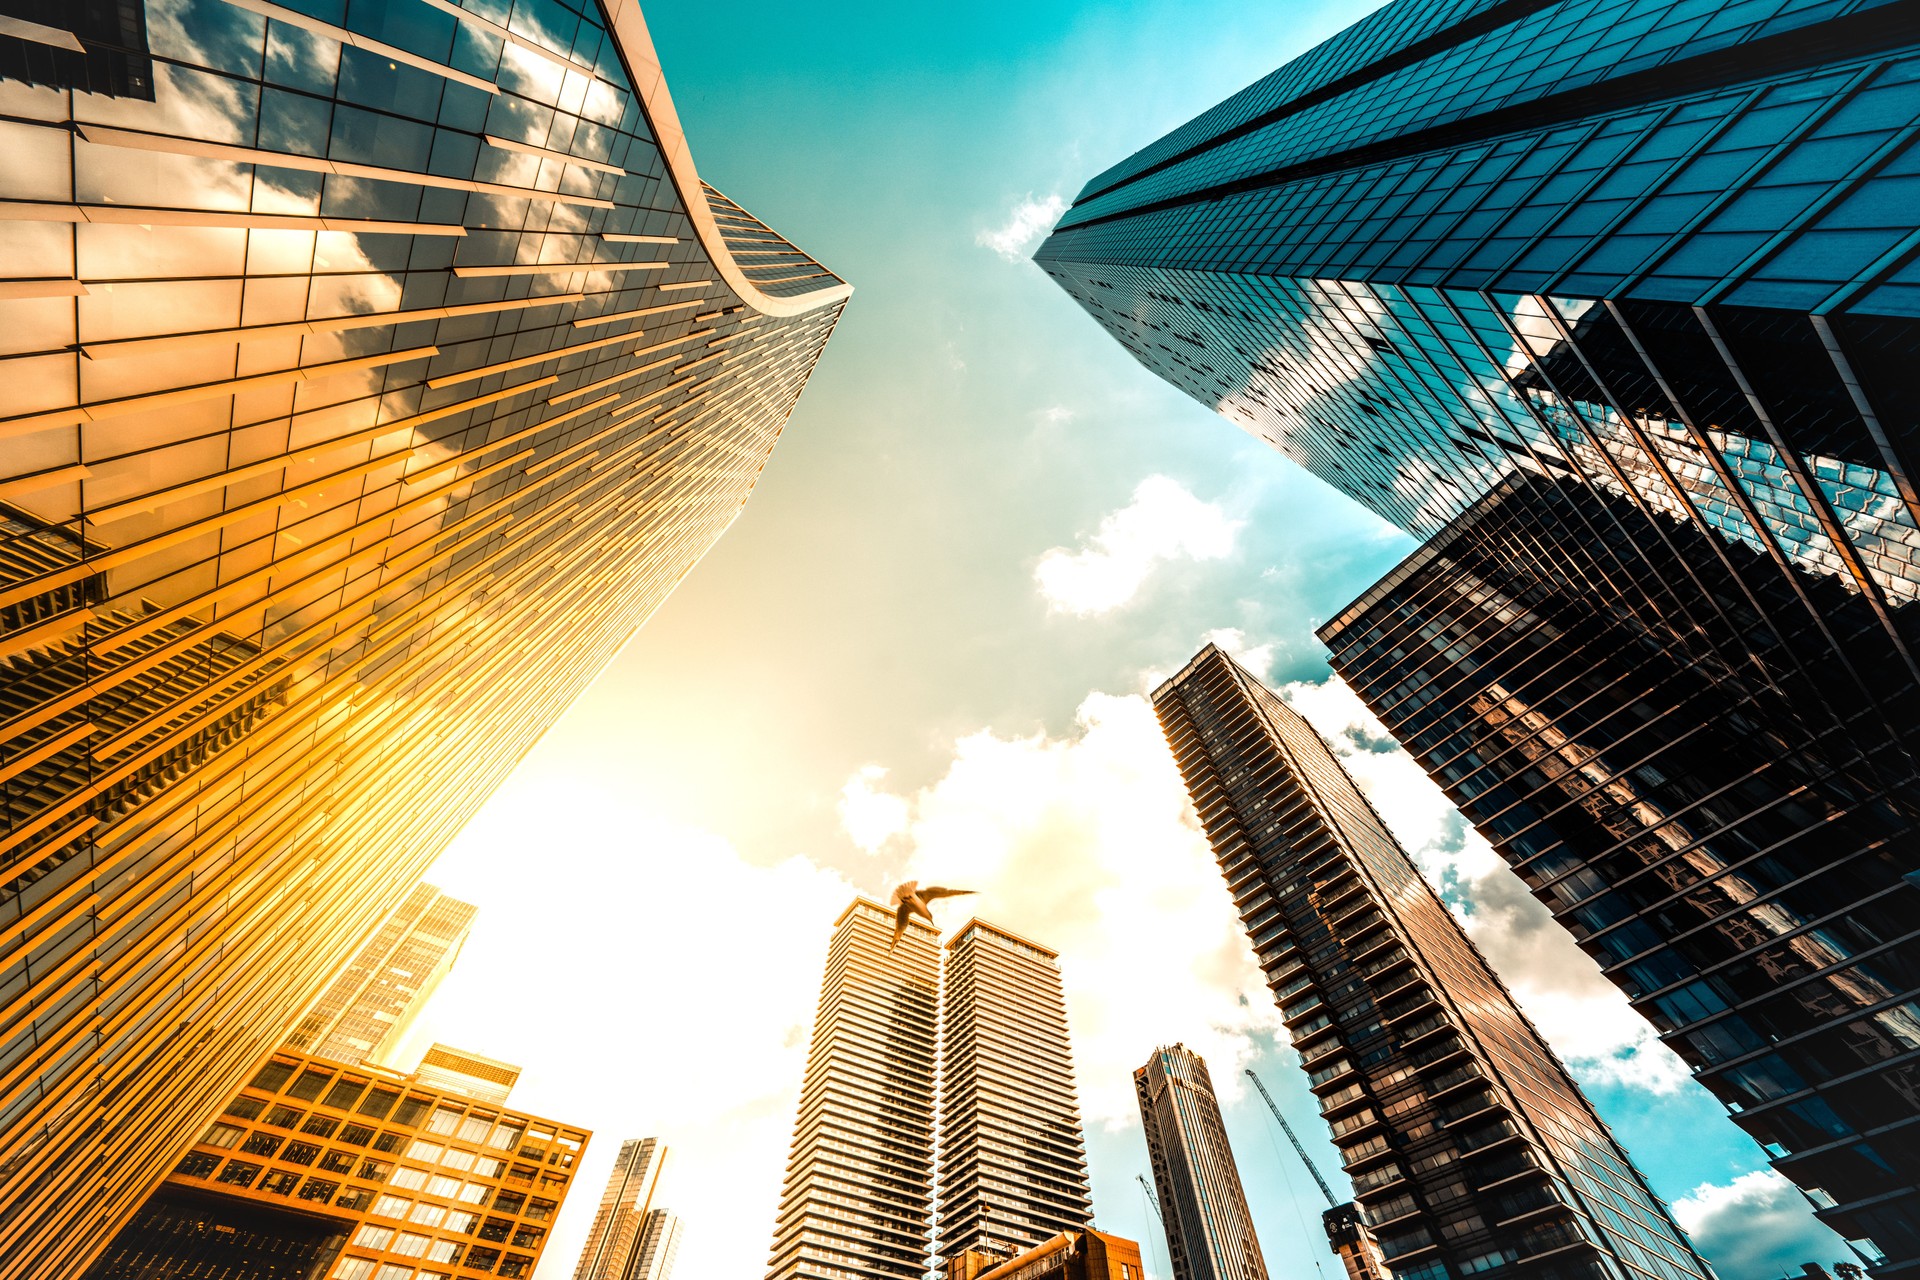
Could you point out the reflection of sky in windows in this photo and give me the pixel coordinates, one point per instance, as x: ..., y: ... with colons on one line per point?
x: 344, y: 354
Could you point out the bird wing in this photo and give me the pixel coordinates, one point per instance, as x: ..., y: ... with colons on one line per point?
x: 900, y: 923
x: 934, y: 891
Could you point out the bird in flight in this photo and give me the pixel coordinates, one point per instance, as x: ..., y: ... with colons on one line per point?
x: 911, y: 900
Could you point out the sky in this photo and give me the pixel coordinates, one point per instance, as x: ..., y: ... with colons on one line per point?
x: 923, y: 651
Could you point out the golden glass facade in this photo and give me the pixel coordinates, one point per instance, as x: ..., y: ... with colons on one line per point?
x: 368, y: 1007
x: 368, y: 373
x: 387, y: 1177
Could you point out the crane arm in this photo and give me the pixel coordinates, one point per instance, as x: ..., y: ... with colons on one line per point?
x: 1153, y: 1200
x: 1287, y: 1129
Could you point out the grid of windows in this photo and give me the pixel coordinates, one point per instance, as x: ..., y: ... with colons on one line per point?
x: 368, y: 372
x: 857, y: 1200
x: 1013, y: 1160
x: 1468, y: 1144
x: 1727, y: 837
x: 409, y: 1176
x: 1209, y: 1228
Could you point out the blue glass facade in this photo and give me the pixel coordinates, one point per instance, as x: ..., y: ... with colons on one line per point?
x: 1618, y: 306
x: 369, y: 371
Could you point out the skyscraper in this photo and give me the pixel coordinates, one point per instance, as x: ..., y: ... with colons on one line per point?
x: 1203, y: 1207
x: 859, y: 1181
x: 659, y: 1246
x: 1626, y: 328
x: 1013, y: 1159
x: 318, y: 1168
x: 1731, y: 864
x: 367, y: 374
x: 1667, y: 263
x: 613, y: 1242
x: 368, y: 1007
x: 1470, y: 1149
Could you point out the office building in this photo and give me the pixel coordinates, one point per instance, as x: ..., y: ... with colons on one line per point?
x: 1203, y: 1207
x: 337, y: 1170
x: 618, y: 1225
x: 1085, y: 1254
x: 1670, y: 259
x: 1470, y: 1149
x: 366, y: 1011
x: 367, y: 375
x: 471, y: 1075
x: 659, y: 1246
x: 1013, y: 1159
x: 1639, y: 313
x: 1734, y: 865
x: 856, y: 1201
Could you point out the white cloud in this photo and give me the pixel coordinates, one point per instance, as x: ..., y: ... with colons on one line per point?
x: 1055, y: 415
x: 1757, y: 1227
x: 1583, y: 1016
x: 1257, y: 658
x: 1163, y: 522
x: 650, y: 981
x: 871, y: 816
x: 1026, y: 224
x: 1086, y: 843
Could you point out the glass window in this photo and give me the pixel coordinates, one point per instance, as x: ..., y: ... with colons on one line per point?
x: 272, y: 1076
x: 309, y: 1085
x: 345, y: 1093
x: 222, y: 1135
x: 378, y: 1102
x: 372, y: 1237
x: 443, y: 1121
x: 390, y: 1206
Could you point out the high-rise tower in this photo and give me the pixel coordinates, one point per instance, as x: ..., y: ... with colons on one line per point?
x: 613, y: 1242
x: 1628, y: 331
x: 1471, y: 1150
x: 1013, y: 1160
x: 1203, y: 1207
x: 369, y: 1006
x: 367, y: 374
x: 859, y: 1181
x: 1728, y: 863
x: 659, y: 1246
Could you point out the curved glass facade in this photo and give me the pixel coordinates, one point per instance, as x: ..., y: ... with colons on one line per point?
x: 369, y: 371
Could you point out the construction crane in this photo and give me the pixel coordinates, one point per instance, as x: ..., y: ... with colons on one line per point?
x: 1153, y: 1201
x: 1287, y: 1129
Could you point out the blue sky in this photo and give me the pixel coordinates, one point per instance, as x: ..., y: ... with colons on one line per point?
x: 866, y: 680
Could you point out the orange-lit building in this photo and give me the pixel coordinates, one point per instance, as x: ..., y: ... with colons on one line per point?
x: 320, y: 1170
x: 1071, y: 1255
x: 368, y: 373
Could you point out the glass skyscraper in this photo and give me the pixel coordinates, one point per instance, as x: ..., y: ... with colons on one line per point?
x: 1470, y: 1149
x: 620, y: 1223
x: 1013, y: 1157
x: 367, y: 374
x: 659, y: 1246
x: 1732, y: 866
x: 366, y: 1010
x: 857, y: 1201
x: 1616, y: 305
x: 1203, y: 1206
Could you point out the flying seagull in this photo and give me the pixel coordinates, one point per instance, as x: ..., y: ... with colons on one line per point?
x: 911, y: 900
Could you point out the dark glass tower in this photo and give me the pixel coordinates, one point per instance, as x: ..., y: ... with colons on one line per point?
x: 1735, y: 866
x: 1203, y: 1205
x: 368, y: 373
x: 1632, y: 299
x: 1667, y: 256
x: 1471, y: 1150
